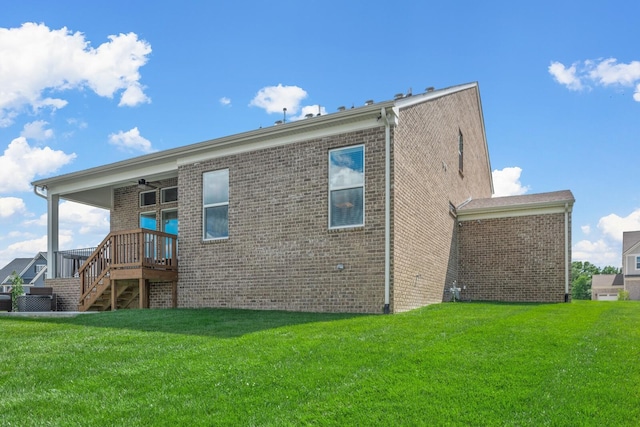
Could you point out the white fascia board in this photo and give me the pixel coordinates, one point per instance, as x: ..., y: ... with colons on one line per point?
x: 164, y: 164
x: 513, y: 211
x: 233, y: 147
x: 635, y: 249
x: 427, y: 96
x: 113, y: 178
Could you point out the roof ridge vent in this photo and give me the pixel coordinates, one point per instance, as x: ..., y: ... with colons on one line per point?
x: 430, y: 89
x: 398, y: 96
x: 368, y: 102
x: 342, y: 108
x: 308, y: 116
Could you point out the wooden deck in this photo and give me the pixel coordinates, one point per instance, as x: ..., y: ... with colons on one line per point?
x: 124, y: 266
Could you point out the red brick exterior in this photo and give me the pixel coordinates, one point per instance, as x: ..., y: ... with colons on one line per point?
x: 513, y: 259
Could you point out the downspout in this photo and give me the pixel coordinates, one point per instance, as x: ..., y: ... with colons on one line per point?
x: 387, y: 211
x: 566, y: 252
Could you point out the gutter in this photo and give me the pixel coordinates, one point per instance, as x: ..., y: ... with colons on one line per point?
x: 567, y: 262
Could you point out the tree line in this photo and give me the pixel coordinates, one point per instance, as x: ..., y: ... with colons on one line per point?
x: 581, y: 274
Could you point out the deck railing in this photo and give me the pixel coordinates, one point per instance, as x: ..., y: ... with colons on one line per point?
x: 130, y: 249
x: 68, y: 263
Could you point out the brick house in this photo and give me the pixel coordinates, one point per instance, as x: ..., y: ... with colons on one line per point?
x: 380, y: 208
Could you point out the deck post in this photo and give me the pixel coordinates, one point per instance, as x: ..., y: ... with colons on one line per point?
x: 114, y: 295
x: 174, y: 294
x: 142, y: 283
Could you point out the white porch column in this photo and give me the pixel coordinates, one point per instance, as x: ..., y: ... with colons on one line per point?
x: 53, y: 233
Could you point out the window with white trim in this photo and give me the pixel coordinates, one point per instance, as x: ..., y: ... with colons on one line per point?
x: 148, y: 198
x: 346, y: 187
x: 215, y: 205
x: 169, y: 194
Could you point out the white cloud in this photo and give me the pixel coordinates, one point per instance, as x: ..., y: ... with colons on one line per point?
x: 604, y: 72
x: 607, y: 72
x: 76, y: 216
x: 45, y: 60
x: 36, y: 130
x: 29, y: 248
x: 586, y: 229
x: 10, y: 206
x: 225, y: 101
x: 20, y: 163
x: 506, y: 182
x: 274, y: 98
x: 613, y: 225
x: 565, y: 76
x: 130, y: 140
x: 597, y: 252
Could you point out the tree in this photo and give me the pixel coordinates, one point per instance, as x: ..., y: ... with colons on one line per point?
x: 581, y: 276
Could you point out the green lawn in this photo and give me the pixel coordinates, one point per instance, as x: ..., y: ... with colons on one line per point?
x: 447, y: 364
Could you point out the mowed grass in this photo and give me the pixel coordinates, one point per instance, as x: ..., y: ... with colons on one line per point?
x: 448, y: 364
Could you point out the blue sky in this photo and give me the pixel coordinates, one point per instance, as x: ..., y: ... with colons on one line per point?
x: 83, y: 84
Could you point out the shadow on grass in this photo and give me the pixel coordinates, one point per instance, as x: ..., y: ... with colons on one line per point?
x: 222, y: 323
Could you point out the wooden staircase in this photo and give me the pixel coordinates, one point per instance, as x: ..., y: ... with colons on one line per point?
x: 121, y: 269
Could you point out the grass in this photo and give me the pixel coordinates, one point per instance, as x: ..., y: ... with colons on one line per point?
x: 448, y: 364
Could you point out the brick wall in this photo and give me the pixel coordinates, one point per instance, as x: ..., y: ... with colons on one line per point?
x: 426, y: 180
x: 126, y: 211
x: 513, y: 259
x: 280, y: 253
x: 67, y: 291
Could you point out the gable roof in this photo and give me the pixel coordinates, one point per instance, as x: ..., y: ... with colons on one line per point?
x: 630, y: 241
x: 94, y: 186
x: 18, y: 265
x: 528, y: 204
x: 606, y: 280
x: 21, y: 266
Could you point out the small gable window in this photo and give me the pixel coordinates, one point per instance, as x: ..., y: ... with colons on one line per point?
x: 460, y: 151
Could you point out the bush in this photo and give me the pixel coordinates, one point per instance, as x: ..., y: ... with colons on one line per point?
x: 623, y: 295
x: 16, y: 290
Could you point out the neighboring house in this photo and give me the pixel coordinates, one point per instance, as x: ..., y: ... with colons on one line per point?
x: 380, y: 208
x: 605, y: 287
x: 631, y: 263
x: 32, y: 270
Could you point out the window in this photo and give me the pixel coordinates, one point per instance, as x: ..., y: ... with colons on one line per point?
x: 148, y: 220
x: 169, y: 194
x: 346, y: 187
x: 215, y: 201
x: 460, y: 151
x: 40, y: 267
x: 148, y: 198
x: 638, y: 263
x: 170, y: 221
